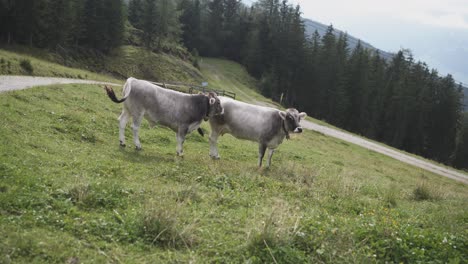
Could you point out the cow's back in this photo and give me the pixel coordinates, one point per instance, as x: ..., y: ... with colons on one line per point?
x: 248, y: 121
x: 167, y: 107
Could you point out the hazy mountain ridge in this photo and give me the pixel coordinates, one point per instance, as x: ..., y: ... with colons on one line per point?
x: 312, y: 26
x: 465, y: 98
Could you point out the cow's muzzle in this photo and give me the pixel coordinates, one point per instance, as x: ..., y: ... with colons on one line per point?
x: 298, y: 130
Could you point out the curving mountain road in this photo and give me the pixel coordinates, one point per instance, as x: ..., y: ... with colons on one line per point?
x: 8, y: 83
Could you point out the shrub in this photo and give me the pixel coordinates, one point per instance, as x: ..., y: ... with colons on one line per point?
x: 26, y: 66
x: 195, y: 59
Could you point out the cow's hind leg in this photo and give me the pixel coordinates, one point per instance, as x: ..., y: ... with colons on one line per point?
x: 261, y: 152
x: 213, y: 144
x: 181, y: 133
x: 270, y: 154
x: 123, y: 119
x: 136, y: 127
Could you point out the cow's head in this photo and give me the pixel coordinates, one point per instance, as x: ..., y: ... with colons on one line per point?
x: 215, y: 105
x: 292, y: 118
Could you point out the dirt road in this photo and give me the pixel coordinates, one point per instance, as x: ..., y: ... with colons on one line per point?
x: 452, y: 174
x: 8, y: 83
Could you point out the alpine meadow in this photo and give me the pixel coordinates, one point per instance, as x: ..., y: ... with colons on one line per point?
x: 69, y: 193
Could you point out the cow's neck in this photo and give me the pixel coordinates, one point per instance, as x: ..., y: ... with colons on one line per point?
x: 206, y: 117
x: 283, y: 126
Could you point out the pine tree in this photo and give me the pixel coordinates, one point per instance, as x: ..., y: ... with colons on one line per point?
x: 338, y: 104
x: 212, y: 29
x: 59, y: 22
x: 115, y: 19
x: 169, y: 28
x: 461, y: 153
x: 190, y: 23
x: 135, y: 13
x: 326, y: 73
x: 149, y: 23
x: 376, y: 97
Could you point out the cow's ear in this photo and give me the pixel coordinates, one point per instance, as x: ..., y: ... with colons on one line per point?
x: 302, y: 115
x: 212, y: 101
x: 282, y: 115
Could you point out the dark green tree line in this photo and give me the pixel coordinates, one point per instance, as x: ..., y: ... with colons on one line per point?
x: 95, y: 24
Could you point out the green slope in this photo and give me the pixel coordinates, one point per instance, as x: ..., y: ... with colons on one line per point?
x: 68, y: 192
x: 120, y: 64
x: 230, y: 76
x: 13, y: 63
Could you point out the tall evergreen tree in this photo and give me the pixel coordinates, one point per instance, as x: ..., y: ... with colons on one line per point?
x: 190, y: 20
x: 135, y: 13
x: 149, y: 23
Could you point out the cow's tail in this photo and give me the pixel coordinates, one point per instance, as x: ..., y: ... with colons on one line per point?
x: 200, y: 131
x: 126, y: 91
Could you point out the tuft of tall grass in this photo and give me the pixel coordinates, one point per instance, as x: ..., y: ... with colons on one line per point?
x: 425, y: 191
x: 160, y: 224
x: 272, y: 241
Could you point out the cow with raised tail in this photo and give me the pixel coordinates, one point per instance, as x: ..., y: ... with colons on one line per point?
x: 178, y: 111
x: 265, y: 125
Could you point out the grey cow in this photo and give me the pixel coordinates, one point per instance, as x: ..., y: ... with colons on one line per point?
x: 181, y: 112
x: 265, y: 125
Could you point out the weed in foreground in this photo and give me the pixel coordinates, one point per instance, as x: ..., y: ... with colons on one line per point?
x: 272, y: 242
x: 424, y: 191
x: 160, y: 225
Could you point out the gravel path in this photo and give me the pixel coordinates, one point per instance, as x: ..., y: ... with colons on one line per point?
x: 8, y: 83
x: 452, y: 174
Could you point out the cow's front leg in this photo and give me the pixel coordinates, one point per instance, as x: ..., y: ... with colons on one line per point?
x: 261, y: 153
x: 213, y: 144
x: 270, y: 154
x: 181, y: 133
x: 123, y: 119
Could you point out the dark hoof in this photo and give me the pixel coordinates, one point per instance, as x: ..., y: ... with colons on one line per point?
x: 215, y: 157
x: 122, y: 144
x: 138, y: 148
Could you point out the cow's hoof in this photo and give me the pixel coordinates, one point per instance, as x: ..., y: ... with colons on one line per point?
x: 180, y: 155
x: 217, y: 157
x: 137, y: 148
x: 122, y: 145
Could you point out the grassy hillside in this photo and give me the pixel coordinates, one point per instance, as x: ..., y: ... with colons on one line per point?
x: 34, y: 63
x: 137, y: 62
x: 68, y: 192
x: 230, y: 76
x: 121, y: 63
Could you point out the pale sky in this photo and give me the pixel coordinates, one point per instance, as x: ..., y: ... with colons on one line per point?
x: 436, y: 31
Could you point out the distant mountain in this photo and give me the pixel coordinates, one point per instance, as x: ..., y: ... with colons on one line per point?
x: 465, y: 98
x: 311, y: 26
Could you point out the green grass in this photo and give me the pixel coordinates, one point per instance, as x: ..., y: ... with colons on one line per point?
x: 34, y: 63
x: 120, y: 64
x: 139, y: 63
x: 231, y: 76
x: 68, y: 191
